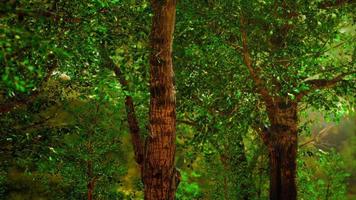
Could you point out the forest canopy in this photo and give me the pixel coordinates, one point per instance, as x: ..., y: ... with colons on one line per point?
x: 167, y: 99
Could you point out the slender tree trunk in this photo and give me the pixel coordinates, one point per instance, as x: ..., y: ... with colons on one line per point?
x: 327, y: 191
x: 224, y: 161
x: 90, y: 169
x: 91, y: 182
x: 282, y: 145
x: 237, y: 182
x: 239, y: 166
x: 158, y: 171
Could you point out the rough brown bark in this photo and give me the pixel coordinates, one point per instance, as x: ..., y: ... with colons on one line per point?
x: 282, y: 146
x: 158, y: 171
x: 156, y: 158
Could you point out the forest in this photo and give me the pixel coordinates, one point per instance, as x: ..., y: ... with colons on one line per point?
x: 177, y: 99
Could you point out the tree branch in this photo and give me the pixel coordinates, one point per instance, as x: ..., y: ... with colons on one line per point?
x: 248, y: 62
x: 235, y: 46
x: 322, y: 84
x: 316, y: 137
x: 16, y: 102
x: 186, y: 122
x: 263, y: 131
x: 334, y: 4
x: 129, y: 106
x: 54, y: 16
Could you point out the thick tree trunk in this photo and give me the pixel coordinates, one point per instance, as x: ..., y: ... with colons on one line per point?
x: 158, y: 171
x: 282, y: 145
x: 283, y: 170
x: 156, y: 158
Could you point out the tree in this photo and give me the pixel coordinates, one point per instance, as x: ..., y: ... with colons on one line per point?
x: 79, y: 33
x: 157, y: 157
x: 286, y: 49
x: 282, y: 109
x: 246, y: 70
x: 159, y: 174
x: 27, y: 56
x: 41, y: 30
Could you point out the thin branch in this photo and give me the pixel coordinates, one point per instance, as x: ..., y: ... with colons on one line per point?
x: 21, y: 13
x: 214, y: 111
x: 335, y: 4
x: 323, y: 83
x: 322, y: 51
x: 186, y: 122
x: 315, y: 138
x: 262, y: 131
x: 54, y: 16
x: 238, y: 48
x: 38, y: 124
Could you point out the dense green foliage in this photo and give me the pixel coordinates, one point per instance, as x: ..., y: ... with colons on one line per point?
x: 64, y: 122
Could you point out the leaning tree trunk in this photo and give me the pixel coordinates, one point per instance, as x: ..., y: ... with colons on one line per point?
x: 282, y: 145
x: 158, y: 171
